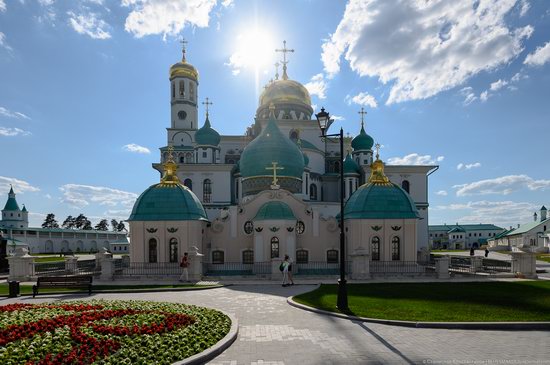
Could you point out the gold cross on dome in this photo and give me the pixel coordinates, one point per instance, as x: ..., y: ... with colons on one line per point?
x: 284, y: 50
x: 377, y: 146
x: 183, y: 43
x: 206, y: 104
x: 363, y: 113
x: 274, y: 168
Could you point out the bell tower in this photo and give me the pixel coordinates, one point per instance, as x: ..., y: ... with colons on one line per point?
x: 184, y: 82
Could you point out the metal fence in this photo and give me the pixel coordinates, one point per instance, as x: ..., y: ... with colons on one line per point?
x: 236, y: 269
x: 62, y: 268
x: 478, y: 265
x: 147, y: 268
x: 49, y: 268
x: 491, y: 266
x: 319, y: 268
x: 402, y: 267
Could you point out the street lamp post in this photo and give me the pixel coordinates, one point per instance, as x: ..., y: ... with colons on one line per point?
x: 323, y: 118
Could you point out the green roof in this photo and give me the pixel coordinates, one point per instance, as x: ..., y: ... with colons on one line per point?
x: 162, y: 202
x: 380, y: 201
x: 11, y: 204
x: 527, y: 227
x: 271, y: 146
x: 206, y: 135
x: 362, y: 141
x: 275, y: 210
x: 465, y: 227
x: 350, y: 166
x: 178, y: 148
x: 306, y: 144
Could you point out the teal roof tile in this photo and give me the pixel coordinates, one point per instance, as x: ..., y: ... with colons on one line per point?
x: 274, y: 210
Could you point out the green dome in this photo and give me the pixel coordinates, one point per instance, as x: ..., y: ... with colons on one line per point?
x: 168, y: 202
x: 11, y: 204
x: 207, y: 136
x: 272, y: 146
x: 350, y: 166
x: 363, y: 141
x: 274, y: 210
x: 380, y: 201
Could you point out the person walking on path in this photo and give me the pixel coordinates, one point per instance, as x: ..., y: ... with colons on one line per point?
x: 290, y: 270
x: 472, y: 251
x: 486, y: 252
x: 285, y: 265
x: 184, y: 264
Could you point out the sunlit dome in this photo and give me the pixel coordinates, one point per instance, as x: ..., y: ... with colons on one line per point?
x: 288, y: 96
x: 184, y: 69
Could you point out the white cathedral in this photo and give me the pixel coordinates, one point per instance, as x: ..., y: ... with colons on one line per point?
x: 274, y: 190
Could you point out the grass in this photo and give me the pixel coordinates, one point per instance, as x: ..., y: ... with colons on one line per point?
x: 446, y: 302
x: 49, y: 259
x: 27, y: 289
x: 544, y: 257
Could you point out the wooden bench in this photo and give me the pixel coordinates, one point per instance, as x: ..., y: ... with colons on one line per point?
x: 63, y: 282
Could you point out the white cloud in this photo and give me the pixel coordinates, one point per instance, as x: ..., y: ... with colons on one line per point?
x: 19, y: 186
x: 89, y: 24
x: 518, y: 76
x: 415, y: 159
x: 422, y: 47
x: 46, y: 2
x: 337, y: 117
x: 317, y: 86
x: 167, y: 17
x: 539, y: 57
x: 363, y: 98
x: 8, y: 113
x: 484, y: 96
x: 227, y: 3
x: 11, y: 132
x: 469, y: 96
x: 441, y: 192
x: 83, y: 195
x: 501, y: 185
x: 497, y: 85
x: 132, y: 147
x: 525, y: 6
x: 3, y: 43
x: 2, y: 5
x: 503, y: 213
x: 462, y: 166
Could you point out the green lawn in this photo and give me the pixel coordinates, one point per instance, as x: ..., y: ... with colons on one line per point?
x: 543, y: 257
x: 49, y: 259
x: 448, y: 302
x: 27, y: 289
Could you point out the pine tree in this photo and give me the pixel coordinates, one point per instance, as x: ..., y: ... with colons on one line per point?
x: 121, y: 227
x: 103, y: 225
x: 69, y: 223
x: 114, y: 224
x: 80, y: 221
x: 87, y: 225
x: 50, y: 221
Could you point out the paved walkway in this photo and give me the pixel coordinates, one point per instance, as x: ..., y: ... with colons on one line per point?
x: 273, y: 333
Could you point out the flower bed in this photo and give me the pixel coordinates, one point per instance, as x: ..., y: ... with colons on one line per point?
x: 107, y: 332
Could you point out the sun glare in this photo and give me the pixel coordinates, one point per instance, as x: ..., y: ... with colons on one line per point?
x: 255, y: 50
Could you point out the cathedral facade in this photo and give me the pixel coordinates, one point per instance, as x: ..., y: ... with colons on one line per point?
x: 275, y: 189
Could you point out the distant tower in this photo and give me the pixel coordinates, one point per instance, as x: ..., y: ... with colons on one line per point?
x: 184, y: 82
x: 543, y: 212
x: 362, y: 144
x: 12, y: 216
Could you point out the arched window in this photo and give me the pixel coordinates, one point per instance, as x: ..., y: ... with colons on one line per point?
x: 248, y: 257
x: 406, y: 185
x: 332, y: 256
x: 217, y: 257
x: 206, y: 191
x: 336, y: 166
x: 191, y: 92
x: 152, y: 250
x: 302, y: 257
x: 293, y: 135
x: 350, y: 186
x: 274, y: 247
x: 375, y: 249
x: 173, y: 253
x: 188, y: 183
x: 182, y: 159
x: 395, y: 249
x: 173, y: 90
x: 182, y: 88
x: 313, y: 192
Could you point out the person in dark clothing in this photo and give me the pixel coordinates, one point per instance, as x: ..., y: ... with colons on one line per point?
x: 486, y: 252
x: 472, y: 252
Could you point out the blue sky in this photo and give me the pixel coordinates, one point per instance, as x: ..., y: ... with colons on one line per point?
x: 84, y: 92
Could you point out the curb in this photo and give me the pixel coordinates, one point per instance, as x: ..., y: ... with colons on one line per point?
x: 510, y: 326
x: 218, y: 348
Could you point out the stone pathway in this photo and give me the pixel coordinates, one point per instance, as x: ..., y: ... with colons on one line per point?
x: 273, y: 333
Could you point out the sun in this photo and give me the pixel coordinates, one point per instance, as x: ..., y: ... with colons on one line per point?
x: 255, y: 50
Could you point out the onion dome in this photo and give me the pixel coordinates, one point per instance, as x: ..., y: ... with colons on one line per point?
x: 350, y: 166
x: 271, y: 148
x: 380, y: 199
x: 206, y: 135
x: 184, y: 69
x: 24, y: 208
x: 11, y: 204
x: 274, y: 210
x: 287, y: 95
x: 363, y: 141
x: 168, y: 200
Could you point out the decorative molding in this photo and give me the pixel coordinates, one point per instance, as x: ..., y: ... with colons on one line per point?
x: 151, y: 230
x: 172, y: 230
x: 290, y: 229
x: 376, y: 228
x: 396, y: 228
x: 274, y: 229
x: 217, y: 227
x: 259, y: 229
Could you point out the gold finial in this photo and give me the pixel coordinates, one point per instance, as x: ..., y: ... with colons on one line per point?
x: 183, y: 43
x: 277, y: 64
x: 284, y: 50
x: 377, y: 175
x: 170, y: 177
x: 207, y: 103
x: 274, y: 167
x: 363, y: 113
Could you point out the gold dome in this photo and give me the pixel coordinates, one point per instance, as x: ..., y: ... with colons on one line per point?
x: 283, y: 92
x: 184, y: 69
